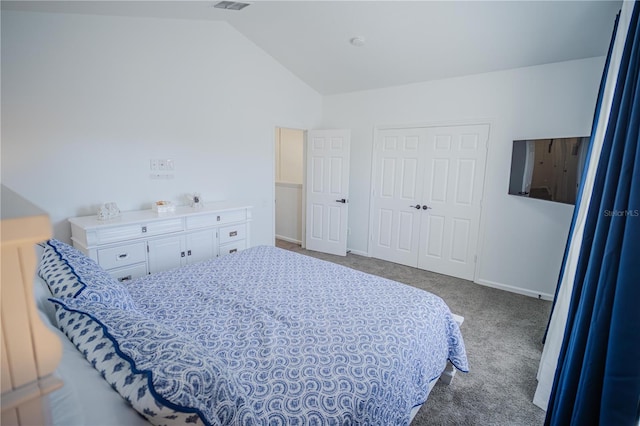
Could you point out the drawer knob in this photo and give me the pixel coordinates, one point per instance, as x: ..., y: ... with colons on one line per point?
x: 233, y: 233
x: 123, y: 256
x: 144, y: 229
x: 218, y: 218
x: 125, y: 278
x: 233, y: 250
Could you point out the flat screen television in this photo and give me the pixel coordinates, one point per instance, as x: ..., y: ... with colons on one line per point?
x: 548, y: 169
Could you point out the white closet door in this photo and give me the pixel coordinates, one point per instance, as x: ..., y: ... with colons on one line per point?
x: 397, y: 189
x: 327, y: 190
x: 453, y: 183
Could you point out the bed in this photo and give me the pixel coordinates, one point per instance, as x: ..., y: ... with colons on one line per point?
x: 261, y: 337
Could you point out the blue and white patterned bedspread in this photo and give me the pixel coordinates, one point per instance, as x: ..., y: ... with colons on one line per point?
x: 310, y: 342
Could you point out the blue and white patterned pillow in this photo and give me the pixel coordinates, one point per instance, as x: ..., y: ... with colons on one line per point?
x: 59, y: 276
x: 165, y: 376
x: 69, y: 273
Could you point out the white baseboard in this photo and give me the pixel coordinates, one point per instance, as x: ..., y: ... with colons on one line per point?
x: 290, y: 240
x: 512, y: 289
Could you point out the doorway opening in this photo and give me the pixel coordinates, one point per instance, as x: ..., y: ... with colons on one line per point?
x: 289, y: 186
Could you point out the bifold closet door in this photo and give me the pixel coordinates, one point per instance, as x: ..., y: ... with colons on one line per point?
x: 426, y: 194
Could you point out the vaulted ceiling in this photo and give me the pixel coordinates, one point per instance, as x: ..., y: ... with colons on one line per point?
x: 404, y: 41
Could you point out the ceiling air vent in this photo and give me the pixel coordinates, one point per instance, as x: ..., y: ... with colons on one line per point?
x: 231, y: 5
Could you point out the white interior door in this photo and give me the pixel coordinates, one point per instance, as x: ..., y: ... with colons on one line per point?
x: 452, y: 190
x: 396, y: 193
x: 426, y: 192
x: 327, y: 190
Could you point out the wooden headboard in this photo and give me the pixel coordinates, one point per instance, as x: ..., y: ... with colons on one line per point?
x: 30, y: 351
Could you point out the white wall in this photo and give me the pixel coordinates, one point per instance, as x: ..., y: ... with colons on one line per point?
x: 289, y: 155
x: 289, y: 212
x: 522, y: 240
x: 87, y: 101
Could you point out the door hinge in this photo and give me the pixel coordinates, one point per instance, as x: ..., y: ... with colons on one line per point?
x: 147, y: 248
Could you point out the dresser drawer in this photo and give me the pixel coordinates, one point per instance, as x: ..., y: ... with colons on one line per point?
x: 114, y: 234
x: 213, y: 219
x: 233, y: 247
x: 233, y: 233
x: 202, y: 221
x: 116, y: 257
x: 132, y: 231
x: 162, y: 227
x: 233, y: 216
x: 129, y: 273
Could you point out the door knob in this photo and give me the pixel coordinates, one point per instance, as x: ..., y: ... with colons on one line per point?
x: 417, y: 206
x: 342, y: 200
x: 425, y: 207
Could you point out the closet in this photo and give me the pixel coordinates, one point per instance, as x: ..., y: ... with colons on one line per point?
x: 426, y: 197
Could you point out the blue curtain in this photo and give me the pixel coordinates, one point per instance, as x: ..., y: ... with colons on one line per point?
x: 597, y: 380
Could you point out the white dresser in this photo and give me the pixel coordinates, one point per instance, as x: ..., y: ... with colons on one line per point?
x: 143, y: 242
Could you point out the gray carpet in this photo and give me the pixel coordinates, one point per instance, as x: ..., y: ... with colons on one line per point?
x: 502, y: 333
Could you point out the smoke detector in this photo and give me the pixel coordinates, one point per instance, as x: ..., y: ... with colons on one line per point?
x: 357, y: 41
